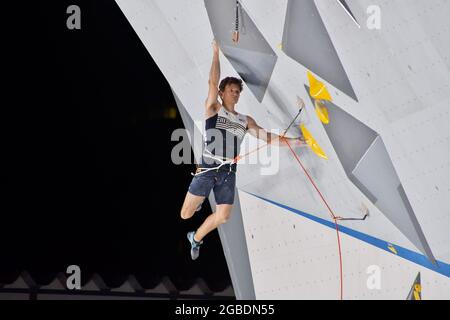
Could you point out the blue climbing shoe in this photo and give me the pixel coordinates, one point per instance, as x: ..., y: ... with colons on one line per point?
x: 195, y: 246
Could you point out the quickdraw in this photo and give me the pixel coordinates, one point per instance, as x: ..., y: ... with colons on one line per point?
x: 235, y: 37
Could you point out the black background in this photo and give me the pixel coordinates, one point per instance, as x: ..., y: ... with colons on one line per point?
x: 86, y: 174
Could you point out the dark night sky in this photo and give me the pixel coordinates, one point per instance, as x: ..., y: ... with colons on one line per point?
x: 86, y: 174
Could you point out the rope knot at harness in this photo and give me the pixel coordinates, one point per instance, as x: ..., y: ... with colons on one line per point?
x: 222, y: 160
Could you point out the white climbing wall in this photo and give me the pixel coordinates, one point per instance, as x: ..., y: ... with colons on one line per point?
x: 296, y: 258
x: 401, y: 77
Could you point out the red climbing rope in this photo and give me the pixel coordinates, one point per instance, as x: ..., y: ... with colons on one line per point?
x: 332, y: 215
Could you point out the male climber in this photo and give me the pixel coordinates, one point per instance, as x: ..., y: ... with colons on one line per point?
x: 224, y: 127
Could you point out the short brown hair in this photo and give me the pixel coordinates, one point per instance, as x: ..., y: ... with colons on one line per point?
x: 230, y: 80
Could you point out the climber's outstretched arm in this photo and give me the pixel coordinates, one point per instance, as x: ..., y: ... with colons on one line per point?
x: 255, y: 130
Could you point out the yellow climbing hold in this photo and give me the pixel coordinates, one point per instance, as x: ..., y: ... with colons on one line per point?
x: 417, y: 290
x: 280, y: 45
x: 322, y: 111
x: 311, y: 142
x: 392, y: 248
x: 317, y: 89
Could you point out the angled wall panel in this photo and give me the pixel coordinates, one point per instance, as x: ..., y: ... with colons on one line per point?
x: 376, y: 172
x: 252, y: 57
x: 345, y: 6
x: 416, y: 289
x: 306, y: 40
x: 367, y: 164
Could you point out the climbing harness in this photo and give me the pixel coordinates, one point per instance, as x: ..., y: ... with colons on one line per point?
x: 223, y: 161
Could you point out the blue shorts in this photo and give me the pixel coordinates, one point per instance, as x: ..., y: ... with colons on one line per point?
x: 222, y: 182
